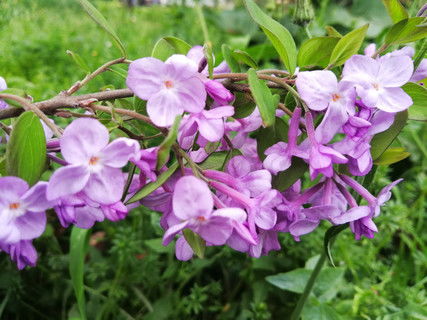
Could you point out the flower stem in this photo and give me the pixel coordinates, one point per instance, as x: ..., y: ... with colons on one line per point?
x: 296, y: 314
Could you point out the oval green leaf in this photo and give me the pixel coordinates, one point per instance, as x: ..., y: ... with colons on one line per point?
x: 396, y: 10
x: 317, y: 51
x: 279, y: 36
x: 418, y: 111
x: 405, y: 31
x: 391, y: 155
x: 26, y: 149
x: 168, y: 46
x: 264, y: 99
x: 348, y: 45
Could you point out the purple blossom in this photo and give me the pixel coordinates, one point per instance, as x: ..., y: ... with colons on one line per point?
x: 279, y: 155
x: 94, y: 164
x: 170, y: 87
x: 209, y: 123
x: 22, y: 210
x: 22, y: 253
x: 378, y: 82
x: 193, y: 206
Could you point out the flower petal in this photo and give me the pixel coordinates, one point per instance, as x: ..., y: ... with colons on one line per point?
x: 183, y: 250
x: 35, y: 199
x: 395, y: 71
x: 105, y: 186
x: 172, y: 232
x: 393, y: 100
x: 192, y: 198
x: 118, y: 152
x: 31, y: 225
x: 82, y: 139
x: 67, y: 181
x: 216, y: 230
x: 163, y: 107
x: 316, y: 88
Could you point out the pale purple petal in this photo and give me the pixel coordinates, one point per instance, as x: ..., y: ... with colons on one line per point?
x: 421, y: 72
x: 173, y: 231
x: 211, y: 129
x: 216, y: 230
x: 265, y: 218
x: 183, y: 250
x: 353, y: 214
x: 31, y: 225
x: 87, y: 216
x: 182, y: 66
x: 12, y: 188
x: 361, y: 68
x: 236, y: 214
x: 395, y: 71
x: 219, y: 112
x: 301, y: 227
x: 118, y: 152
x: 105, y: 186
x: 82, y: 139
x: 66, y: 181
x: 257, y: 181
x: 143, y: 77
x: 163, y: 107
x: 332, y: 122
x: 192, y: 198
x: 35, y: 199
x: 393, y: 100
x: 316, y: 88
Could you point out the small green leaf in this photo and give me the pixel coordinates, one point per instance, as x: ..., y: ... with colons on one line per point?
x: 332, y: 32
x: 196, y: 242
x: 243, y: 105
x: 211, y: 147
x: 405, y: 31
x: 78, y: 244
x: 165, y: 147
x: 396, y: 10
x: 317, y: 51
x: 279, y: 36
x: 348, y: 46
x: 228, y: 57
x: 79, y: 61
x: 218, y: 160
x: 152, y: 186
x: 263, y: 98
x: 285, y: 179
x: 208, y: 52
x: 103, y: 23
x: 418, y: 111
x: 26, y: 149
x: 391, y: 155
x: 382, y: 140
x: 168, y: 46
x: 244, y: 57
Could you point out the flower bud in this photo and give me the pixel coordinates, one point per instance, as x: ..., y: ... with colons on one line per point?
x: 304, y: 12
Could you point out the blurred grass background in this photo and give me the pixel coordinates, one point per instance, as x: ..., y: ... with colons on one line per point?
x: 129, y: 275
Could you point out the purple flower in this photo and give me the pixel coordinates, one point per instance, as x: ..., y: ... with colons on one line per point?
x: 22, y: 210
x: 193, y: 205
x: 94, y: 164
x: 279, y: 155
x: 146, y: 161
x: 321, y: 90
x: 209, y: 123
x: 22, y: 253
x: 378, y: 82
x: 321, y: 158
x: 221, y: 95
x: 170, y: 87
x: 3, y: 86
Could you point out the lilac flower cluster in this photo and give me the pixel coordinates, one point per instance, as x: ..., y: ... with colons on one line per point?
x: 236, y: 206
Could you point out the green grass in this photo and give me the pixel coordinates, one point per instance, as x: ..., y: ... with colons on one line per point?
x: 128, y: 274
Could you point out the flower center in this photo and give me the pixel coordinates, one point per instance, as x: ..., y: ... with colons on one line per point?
x: 335, y: 97
x: 168, y: 84
x: 201, y: 219
x: 376, y: 86
x: 14, y: 206
x: 93, y: 161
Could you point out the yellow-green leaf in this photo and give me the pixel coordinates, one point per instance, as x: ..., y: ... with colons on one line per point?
x: 391, y: 155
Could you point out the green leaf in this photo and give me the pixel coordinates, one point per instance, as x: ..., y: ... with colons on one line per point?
x: 167, y: 46
x: 405, y: 31
x: 279, y: 36
x: 391, y: 155
x: 382, y: 140
x: 165, y: 147
x: 332, y: 32
x: 263, y: 97
x: 103, y: 23
x: 152, y: 186
x: 295, y: 280
x: 243, y: 105
x: 26, y: 149
x: 285, y: 179
x: 319, y: 311
x: 317, y: 51
x: 218, y: 160
x: 348, y: 46
x: 418, y: 111
x: 78, y: 244
x: 208, y: 52
x: 196, y: 242
x: 79, y: 61
x: 244, y: 57
x: 395, y: 10
x: 228, y: 57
